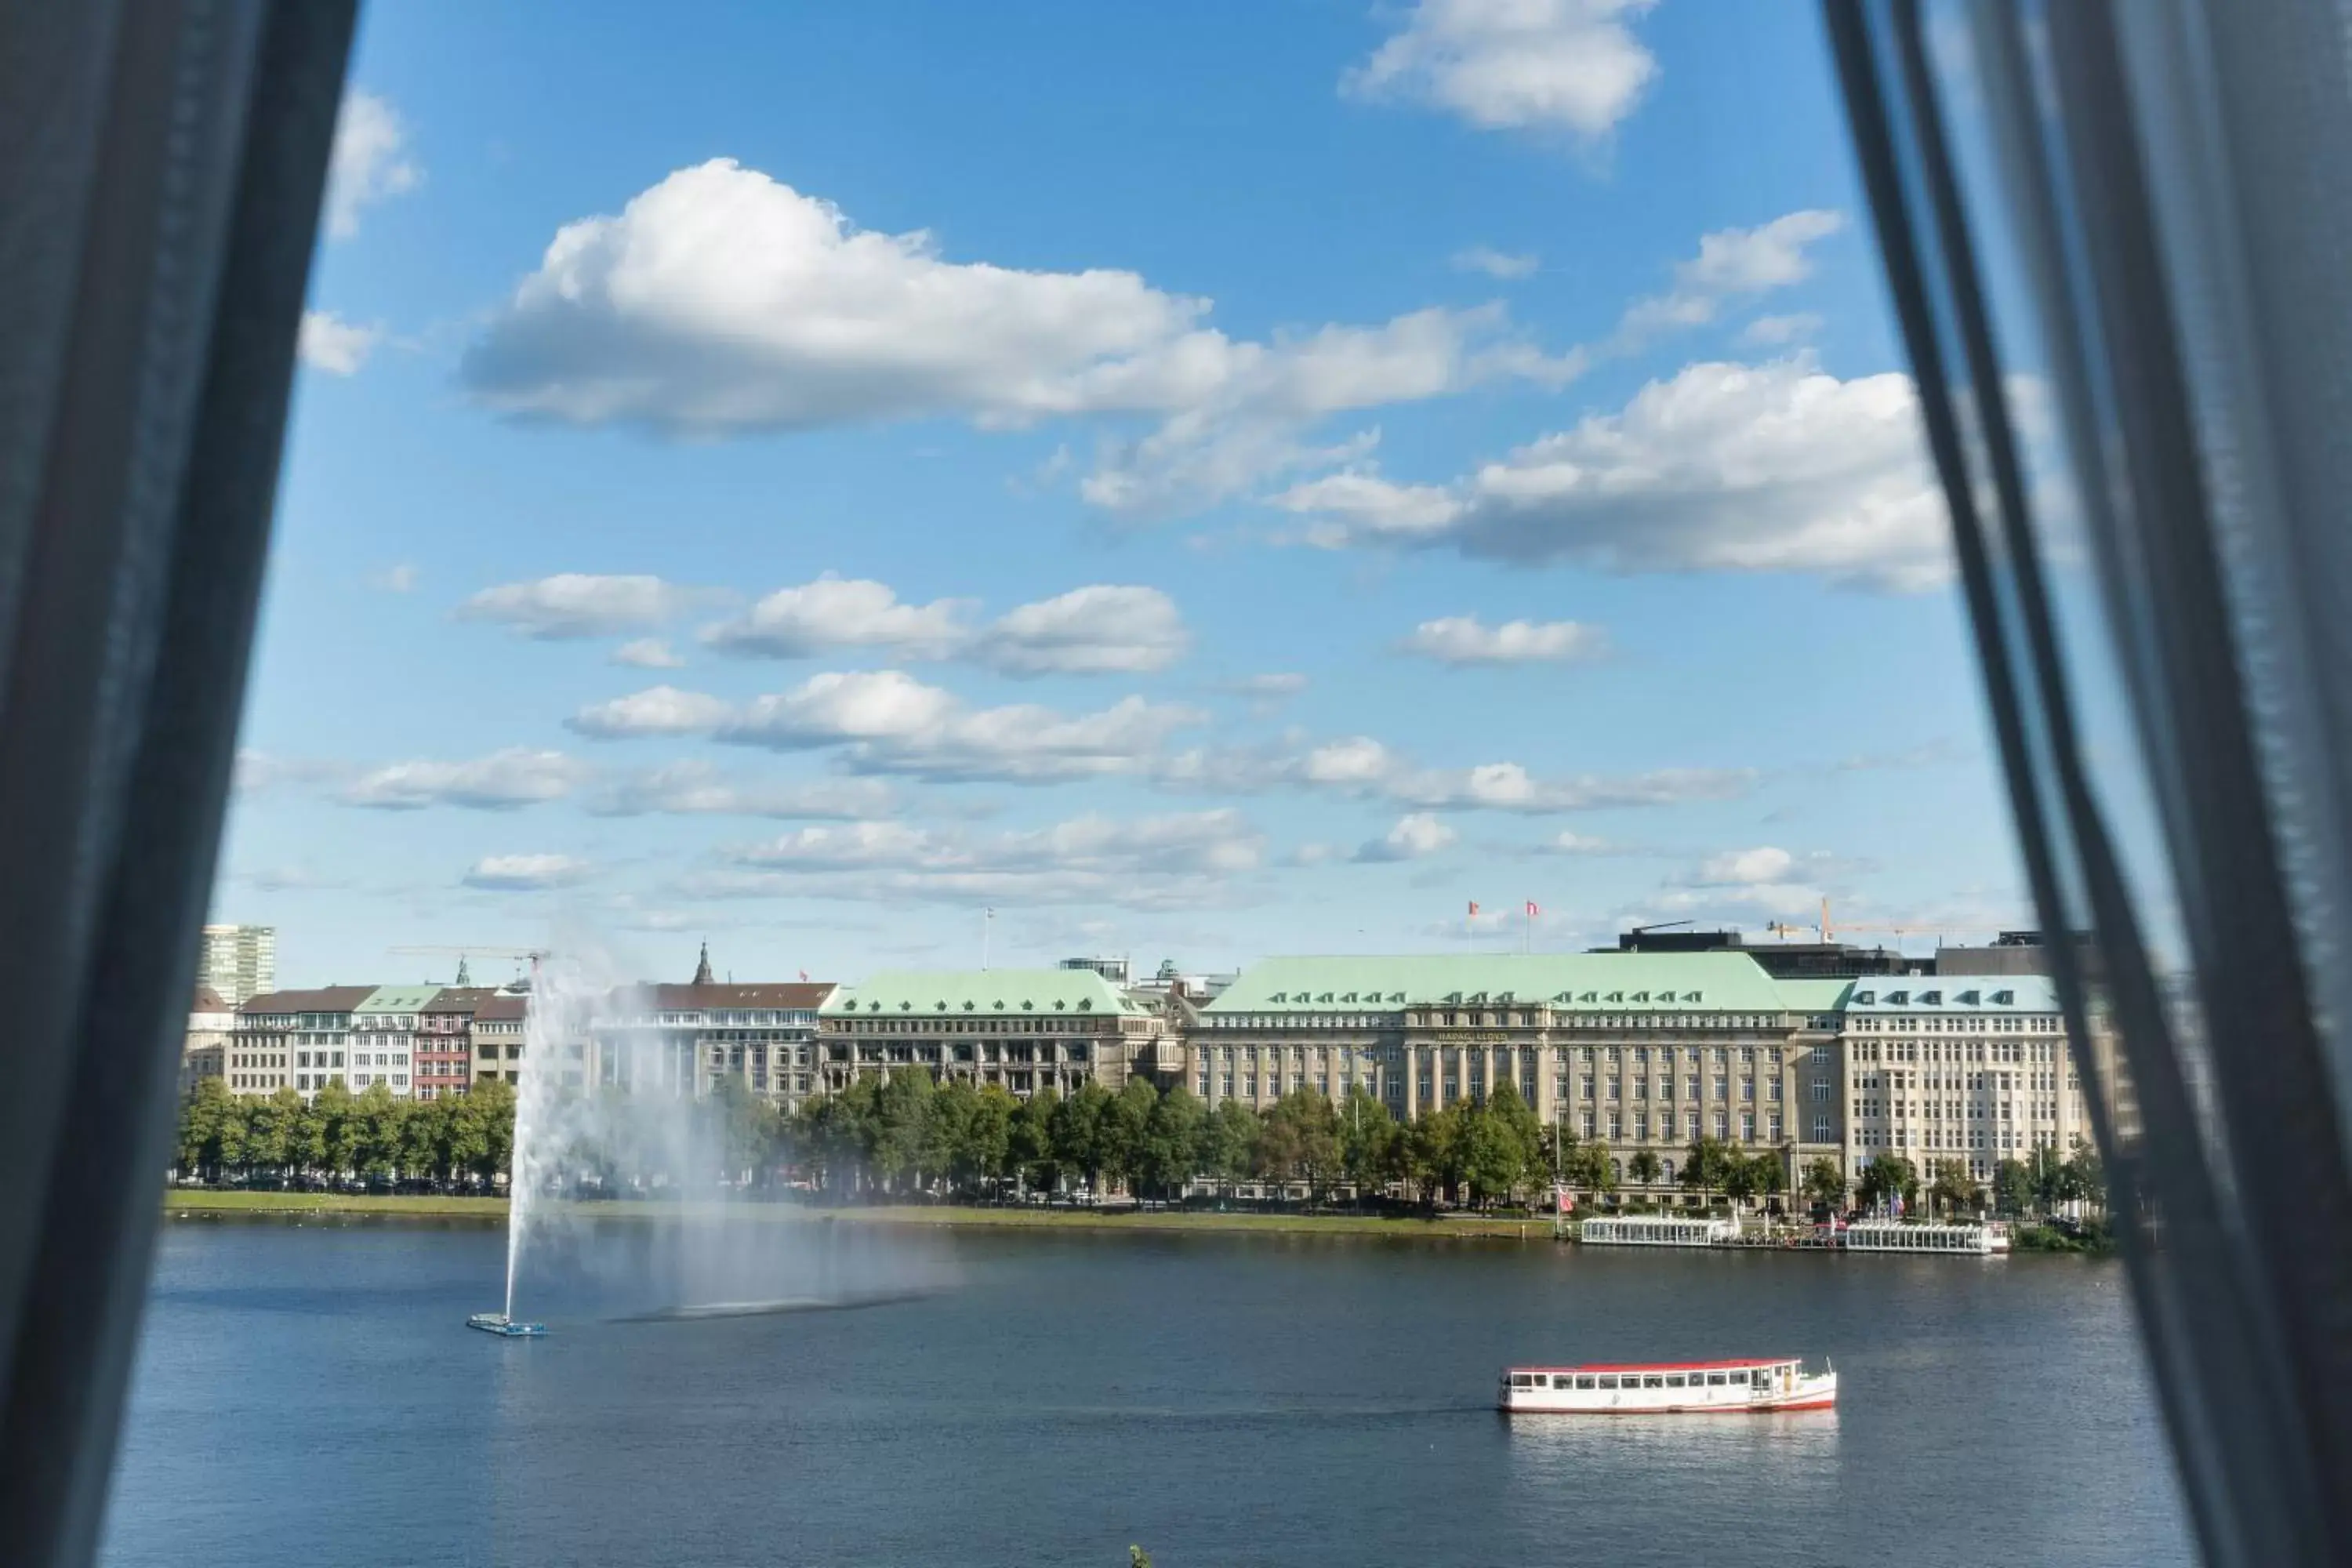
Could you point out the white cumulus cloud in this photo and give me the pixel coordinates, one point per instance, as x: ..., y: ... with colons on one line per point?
x: 1566, y: 842
x: 1360, y: 766
x: 1505, y: 264
x: 502, y: 781
x: 527, y: 873
x: 1725, y: 467
x: 370, y: 163
x: 1557, y: 65
x: 1763, y: 864
x: 648, y: 653
x: 329, y: 343
x: 1732, y: 264
x: 721, y: 302
x: 834, y: 613
x: 886, y: 722
x: 1102, y: 629
x: 856, y: 705
x: 579, y: 604
x: 1416, y: 835
x: 1776, y: 330
x: 693, y: 788
x: 657, y: 710
x: 1465, y: 639
x: 1158, y: 862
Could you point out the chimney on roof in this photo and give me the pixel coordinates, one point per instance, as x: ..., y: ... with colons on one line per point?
x: 702, y: 966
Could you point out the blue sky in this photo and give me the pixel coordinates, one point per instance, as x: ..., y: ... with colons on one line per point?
x: 1201, y: 481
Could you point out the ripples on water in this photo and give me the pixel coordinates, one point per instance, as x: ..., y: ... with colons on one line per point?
x: 309, y: 1395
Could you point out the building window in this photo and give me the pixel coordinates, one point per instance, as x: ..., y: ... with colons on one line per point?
x: 1821, y: 1129
x: 1820, y: 1089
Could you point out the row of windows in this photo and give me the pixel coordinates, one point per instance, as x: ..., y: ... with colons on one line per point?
x: 1609, y: 1380
x: 1673, y: 1129
x: 1955, y: 1051
x: 1956, y: 1110
x: 1501, y: 1020
x: 1936, y: 1139
x: 2030, y: 1025
x: 1978, y: 1082
x: 1639, y: 1088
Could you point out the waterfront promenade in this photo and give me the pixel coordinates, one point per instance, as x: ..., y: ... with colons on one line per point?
x: 199, y: 1203
x: 203, y: 1204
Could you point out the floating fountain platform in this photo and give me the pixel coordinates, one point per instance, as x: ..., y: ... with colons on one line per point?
x: 499, y: 1323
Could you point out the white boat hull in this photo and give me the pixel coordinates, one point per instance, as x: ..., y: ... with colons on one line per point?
x: 1635, y: 1396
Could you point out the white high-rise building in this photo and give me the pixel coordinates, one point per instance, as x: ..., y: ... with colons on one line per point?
x: 238, y: 963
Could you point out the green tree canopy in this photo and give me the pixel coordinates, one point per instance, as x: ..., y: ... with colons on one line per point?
x: 1120, y: 1131
x: 1371, y: 1142
x: 1886, y: 1177
x: 1951, y: 1189
x: 1035, y: 1147
x: 1175, y: 1143
x: 1233, y: 1137
x: 1825, y: 1181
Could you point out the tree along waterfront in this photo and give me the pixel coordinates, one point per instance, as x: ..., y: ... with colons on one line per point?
x: 907, y: 1136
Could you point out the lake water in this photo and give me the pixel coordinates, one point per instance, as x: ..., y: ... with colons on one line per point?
x: 308, y: 1396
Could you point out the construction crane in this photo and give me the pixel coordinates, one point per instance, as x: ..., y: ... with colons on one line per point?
x: 519, y: 955
x: 1784, y: 930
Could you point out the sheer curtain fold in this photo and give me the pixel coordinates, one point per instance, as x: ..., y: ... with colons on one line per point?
x: 2137, y: 209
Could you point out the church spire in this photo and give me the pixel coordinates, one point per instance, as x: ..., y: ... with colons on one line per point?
x: 702, y: 966
x: 463, y: 979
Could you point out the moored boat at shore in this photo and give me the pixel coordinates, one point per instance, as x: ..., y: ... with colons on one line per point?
x: 1667, y: 1388
x: 1899, y: 1236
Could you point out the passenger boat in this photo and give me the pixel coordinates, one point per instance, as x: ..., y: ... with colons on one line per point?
x: 1664, y: 1388
x: 1657, y: 1231
x: 1895, y: 1235
x: 499, y: 1323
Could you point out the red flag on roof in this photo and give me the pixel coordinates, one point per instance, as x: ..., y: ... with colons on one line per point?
x: 1532, y: 911
x: 1473, y: 909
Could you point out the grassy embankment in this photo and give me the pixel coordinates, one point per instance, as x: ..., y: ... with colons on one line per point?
x: 201, y: 1202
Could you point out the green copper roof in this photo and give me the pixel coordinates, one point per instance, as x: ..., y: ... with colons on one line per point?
x: 1597, y: 981
x: 1814, y: 995
x: 396, y: 999
x: 1955, y: 993
x: 940, y: 993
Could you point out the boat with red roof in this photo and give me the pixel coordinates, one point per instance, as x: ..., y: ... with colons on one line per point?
x: 1667, y: 1388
